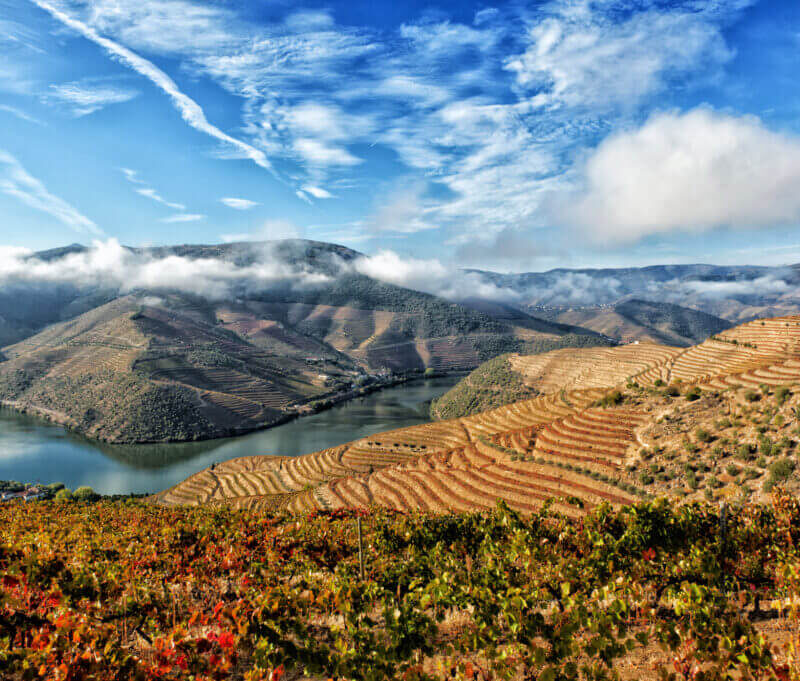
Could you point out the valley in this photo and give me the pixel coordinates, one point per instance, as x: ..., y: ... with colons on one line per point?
x: 166, y: 365
x: 594, y: 433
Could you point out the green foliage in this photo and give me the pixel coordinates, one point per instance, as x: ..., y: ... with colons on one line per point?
x: 672, y: 391
x: 492, y: 384
x: 693, y: 394
x: 779, y: 471
x: 146, y: 592
x: 64, y: 494
x: 703, y: 435
x: 782, y: 394
x: 612, y: 399
x: 84, y: 493
x: 752, y: 396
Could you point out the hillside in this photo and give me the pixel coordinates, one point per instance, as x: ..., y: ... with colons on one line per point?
x: 647, y: 321
x: 161, y: 364
x: 608, y: 425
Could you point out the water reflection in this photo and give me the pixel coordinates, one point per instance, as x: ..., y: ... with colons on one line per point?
x: 34, y: 451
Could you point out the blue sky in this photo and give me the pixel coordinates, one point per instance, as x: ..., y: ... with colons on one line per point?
x: 514, y: 136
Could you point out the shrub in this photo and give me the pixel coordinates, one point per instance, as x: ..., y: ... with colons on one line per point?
x: 766, y: 446
x: 744, y: 452
x: 782, y: 394
x: 64, y: 494
x: 55, y: 486
x: 703, y: 435
x: 779, y: 471
x: 84, y: 493
x: 672, y: 391
x: 713, y: 481
x: 658, y: 383
x: 613, y: 398
x: 732, y: 470
x: 752, y: 396
x: 646, y: 478
x: 693, y: 394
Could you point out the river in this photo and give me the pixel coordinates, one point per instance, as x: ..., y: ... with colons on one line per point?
x: 35, y: 451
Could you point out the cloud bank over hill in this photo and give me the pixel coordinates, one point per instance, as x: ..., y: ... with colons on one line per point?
x: 252, y: 268
x: 109, y: 265
x: 431, y: 276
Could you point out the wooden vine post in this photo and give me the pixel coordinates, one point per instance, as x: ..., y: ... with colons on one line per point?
x: 360, y: 549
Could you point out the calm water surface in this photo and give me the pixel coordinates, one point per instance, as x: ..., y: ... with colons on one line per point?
x: 35, y: 451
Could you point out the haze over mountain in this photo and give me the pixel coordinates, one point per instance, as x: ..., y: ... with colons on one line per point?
x: 736, y: 293
x: 200, y: 341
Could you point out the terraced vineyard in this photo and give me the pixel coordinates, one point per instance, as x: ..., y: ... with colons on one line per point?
x: 576, y: 443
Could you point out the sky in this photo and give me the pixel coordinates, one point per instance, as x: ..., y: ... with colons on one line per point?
x: 513, y: 136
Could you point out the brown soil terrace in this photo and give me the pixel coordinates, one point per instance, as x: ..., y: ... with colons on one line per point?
x: 560, y: 445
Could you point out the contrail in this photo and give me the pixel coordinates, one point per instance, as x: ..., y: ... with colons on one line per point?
x: 190, y: 111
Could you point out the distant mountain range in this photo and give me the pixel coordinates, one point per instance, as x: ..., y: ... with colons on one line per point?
x: 219, y: 339
x: 159, y: 363
x: 736, y: 293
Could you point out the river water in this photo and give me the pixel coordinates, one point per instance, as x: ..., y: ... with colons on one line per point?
x: 35, y: 451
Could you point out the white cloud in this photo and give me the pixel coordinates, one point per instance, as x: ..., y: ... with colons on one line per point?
x: 110, y: 265
x: 131, y: 175
x: 151, y: 193
x: 87, y: 96
x: 691, y: 171
x: 17, y: 182
x: 430, y: 276
x: 190, y: 111
x: 582, y: 54
x: 270, y: 230
x: 319, y: 152
x: 183, y: 217
x: 317, y: 192
x: 163, y: 26
x: 143, y: 190
x: 238, y: 204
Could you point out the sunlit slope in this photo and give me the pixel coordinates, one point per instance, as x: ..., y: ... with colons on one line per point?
x: 517, y: 376
x: 591, y: 367
x: 148, y: 369
x: 576, y: 441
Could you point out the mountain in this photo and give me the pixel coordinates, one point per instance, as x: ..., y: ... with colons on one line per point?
x: 644, y: 320
x: 262, y: 332
x: 715, y: 421
x: 735, y: 293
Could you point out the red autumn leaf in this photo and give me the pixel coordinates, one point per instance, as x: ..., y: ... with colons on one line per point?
x: 226, y: 640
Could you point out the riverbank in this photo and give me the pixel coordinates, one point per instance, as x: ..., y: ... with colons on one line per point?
x: 40, y: 452
x: 314, y: 406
